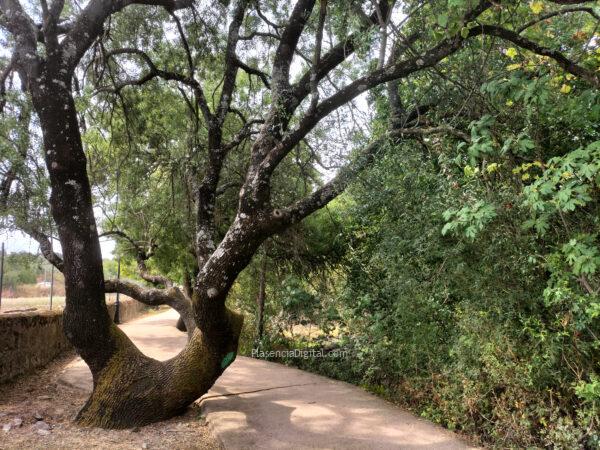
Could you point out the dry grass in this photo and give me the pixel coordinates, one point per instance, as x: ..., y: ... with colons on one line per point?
x: 43, y: 303
x: 9, y: 304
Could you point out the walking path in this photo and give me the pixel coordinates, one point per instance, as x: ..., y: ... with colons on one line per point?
x: 262, y: 405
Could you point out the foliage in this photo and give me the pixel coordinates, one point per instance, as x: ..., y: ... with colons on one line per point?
x: 470, y: 289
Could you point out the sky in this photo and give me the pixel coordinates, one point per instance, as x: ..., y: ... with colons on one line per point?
x: 15, y: 241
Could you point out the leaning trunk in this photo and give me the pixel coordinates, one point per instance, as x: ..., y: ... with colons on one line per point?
x: 87, y: 323
x: 134, y: 389
x: 130, y: 389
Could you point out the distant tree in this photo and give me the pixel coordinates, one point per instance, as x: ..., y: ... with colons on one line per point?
x: 21, y: 268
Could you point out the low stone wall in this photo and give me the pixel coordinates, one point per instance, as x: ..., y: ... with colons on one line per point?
x: 29, y: 340
x: 129, y: 309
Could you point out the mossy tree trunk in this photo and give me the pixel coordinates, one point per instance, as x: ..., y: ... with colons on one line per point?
x: 133, y: 389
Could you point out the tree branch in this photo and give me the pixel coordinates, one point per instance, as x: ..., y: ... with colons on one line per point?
x: 141, y: 257
x: 90, y: 22
x: 252, y: 71
x: 564, y: 62
x: 231, y: 61
x: 155, y: 72
x: 287, y: 46
x: 45, y: 245
x: 559, y: 12
x: 172, y: 297
x: 322, y: 196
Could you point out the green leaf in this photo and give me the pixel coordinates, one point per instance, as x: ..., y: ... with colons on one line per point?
x: 443, y: 20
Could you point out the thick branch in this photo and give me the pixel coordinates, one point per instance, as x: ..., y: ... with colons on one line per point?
x: 231, y: 61
x: 148, y: 296
x: 564, y: 62
x: 289, y: 41
x: 90, y: 22
x: 45, y: 245
x: 322, y: 196
x: 172, y: 297
x: 404, y: 68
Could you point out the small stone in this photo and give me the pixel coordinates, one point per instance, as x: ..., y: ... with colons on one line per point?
x: 37, y: 416
x: 43, y: 432
x: 6, y: 427
x: 41, y: 425
x: 144, y: 445
x: 45, y: 397
x: 135, y: 430
x: 17, y: 422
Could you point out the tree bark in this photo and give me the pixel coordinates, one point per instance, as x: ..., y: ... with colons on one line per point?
x: 87, y: 323
x: 134, y: 389
x: 260, y: 300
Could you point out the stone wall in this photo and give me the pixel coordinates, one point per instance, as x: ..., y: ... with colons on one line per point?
x: 29, y: 340
x: 128, y: 310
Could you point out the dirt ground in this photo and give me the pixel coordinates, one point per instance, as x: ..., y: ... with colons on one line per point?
x: 36, y: 412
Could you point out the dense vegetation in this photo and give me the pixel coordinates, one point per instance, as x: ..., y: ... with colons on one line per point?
x: 461, y: 268
x: 469, y: 286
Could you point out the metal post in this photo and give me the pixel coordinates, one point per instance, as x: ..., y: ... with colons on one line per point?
x: 1, y: 274
x: 51, y: 275
x: 117, y: 319
x: 51, y: 286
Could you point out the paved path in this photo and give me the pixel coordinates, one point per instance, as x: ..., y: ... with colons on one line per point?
x: 262, y: 405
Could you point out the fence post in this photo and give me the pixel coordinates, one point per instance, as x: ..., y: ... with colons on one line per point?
x: 1, y: 274
x: 51, y: 286
x: 117, y: 317
x: 51, y: 274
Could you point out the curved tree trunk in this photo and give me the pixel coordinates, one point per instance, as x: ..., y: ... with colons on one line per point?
x: 133, y: 389
x: 130, y: 388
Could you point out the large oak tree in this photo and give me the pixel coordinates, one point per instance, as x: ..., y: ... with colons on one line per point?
x: 315, y: 58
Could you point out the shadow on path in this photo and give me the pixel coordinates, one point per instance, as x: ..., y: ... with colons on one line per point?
x: 262, y: 405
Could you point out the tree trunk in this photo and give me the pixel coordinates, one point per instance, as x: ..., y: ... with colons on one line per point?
x: 87, y: 323
x: 260, y: 300
x: 130, y: 389
x: 134, y: 390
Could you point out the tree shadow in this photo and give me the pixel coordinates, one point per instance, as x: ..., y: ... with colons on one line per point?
x: 311, y: 412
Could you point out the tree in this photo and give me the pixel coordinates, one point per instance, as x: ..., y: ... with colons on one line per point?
x: 354, y: 48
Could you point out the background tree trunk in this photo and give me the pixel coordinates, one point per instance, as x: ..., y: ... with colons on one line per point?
x: 260, y: 299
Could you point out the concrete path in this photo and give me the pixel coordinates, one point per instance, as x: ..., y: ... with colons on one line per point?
x: 262, y: 405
